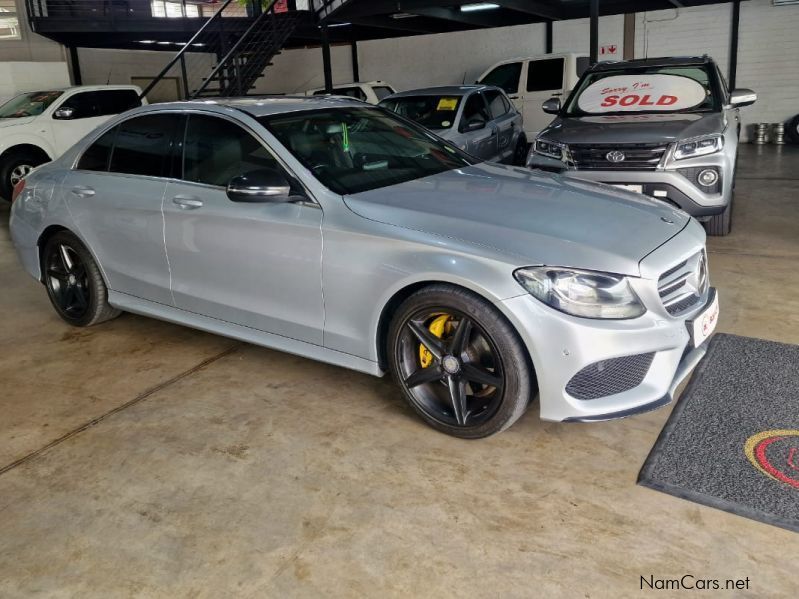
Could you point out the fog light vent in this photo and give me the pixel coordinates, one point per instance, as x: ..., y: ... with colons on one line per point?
x: 608, y: 377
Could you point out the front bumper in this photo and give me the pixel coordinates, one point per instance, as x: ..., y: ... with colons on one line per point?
x: 561, y: 346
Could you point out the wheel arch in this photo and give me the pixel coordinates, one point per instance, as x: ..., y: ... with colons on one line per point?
x: 26, y: 147
x: 48, y: 233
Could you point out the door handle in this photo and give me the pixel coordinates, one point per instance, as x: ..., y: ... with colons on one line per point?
x: 83, y: 191
x: 187, y: 202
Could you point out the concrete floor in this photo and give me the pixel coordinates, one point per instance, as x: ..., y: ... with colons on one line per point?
x: 225, y: 469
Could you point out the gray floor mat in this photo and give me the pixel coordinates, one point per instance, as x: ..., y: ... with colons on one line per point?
x: 732, y: 441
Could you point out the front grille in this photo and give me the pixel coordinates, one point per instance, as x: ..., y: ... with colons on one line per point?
x: 682, y: 286
x: 641, y: 157
x: 609, y: 377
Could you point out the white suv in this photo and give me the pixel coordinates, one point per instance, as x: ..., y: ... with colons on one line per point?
x: 37, y: 127
x: 367, y: 91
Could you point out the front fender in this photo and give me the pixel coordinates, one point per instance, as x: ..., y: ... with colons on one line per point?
x: 10, y: 139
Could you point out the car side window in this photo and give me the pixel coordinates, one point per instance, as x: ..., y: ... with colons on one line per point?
x: 216, y: 150
x: 352, y: 92
x: 116, y: 101
x: 83, y: 104
x: 496, y: 104
x: 97, y: 155
x: 545, y: 75
x: 383, y: 91
x: 143, y: 144
x: 505, y: 76
x: 475, y: 109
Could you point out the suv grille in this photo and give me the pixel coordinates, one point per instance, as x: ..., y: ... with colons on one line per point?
x: 683, y: 286
x: 644, y: 157
x: 609, y: 377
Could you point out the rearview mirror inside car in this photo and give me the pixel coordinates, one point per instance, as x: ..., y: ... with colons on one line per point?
x: 267, y: 185
x: 551, y: 106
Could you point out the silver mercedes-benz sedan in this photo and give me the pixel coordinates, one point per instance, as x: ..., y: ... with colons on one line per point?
x: 348, y: 234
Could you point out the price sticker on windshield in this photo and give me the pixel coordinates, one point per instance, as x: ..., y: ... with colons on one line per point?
x: 447, y: 104
x: 641, y: 93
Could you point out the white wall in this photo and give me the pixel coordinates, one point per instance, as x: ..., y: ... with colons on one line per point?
x: 573, y: 35
x: 300, y: 70
x: 16, y: 77
x: 31, y: 47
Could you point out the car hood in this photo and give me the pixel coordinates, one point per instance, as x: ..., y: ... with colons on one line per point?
x: 633, y: 128
x: 538, y: 218
x: 16, y: 122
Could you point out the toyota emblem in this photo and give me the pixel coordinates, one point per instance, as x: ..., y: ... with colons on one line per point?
x: 615, y: 156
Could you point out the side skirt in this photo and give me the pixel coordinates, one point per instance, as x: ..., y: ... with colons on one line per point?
x: 130, y: 303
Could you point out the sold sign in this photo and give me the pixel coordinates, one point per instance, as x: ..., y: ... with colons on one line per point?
x: 637, y: 93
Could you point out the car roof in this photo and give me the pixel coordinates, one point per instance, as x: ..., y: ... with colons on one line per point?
x: 663, y: 61
x: 258, y: 106
x: 70, y: 88
x: 443, y: 90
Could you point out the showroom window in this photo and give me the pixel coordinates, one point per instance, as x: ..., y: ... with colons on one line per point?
x: 99, y: 153
x: 9, y: 20
x: 142, y: 145
x: 174, y: 10
x: 217, y: 150
x: 545, y: 75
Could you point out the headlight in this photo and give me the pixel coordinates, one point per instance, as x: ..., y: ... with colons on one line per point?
x: 700, y: 146
x: 550, y: 148
x: 581, y: 292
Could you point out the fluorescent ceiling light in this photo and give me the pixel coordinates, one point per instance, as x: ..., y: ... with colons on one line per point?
x: 479, y: 6
x: 339, y: 24
x: 146, y: 41
x: 403, y: 15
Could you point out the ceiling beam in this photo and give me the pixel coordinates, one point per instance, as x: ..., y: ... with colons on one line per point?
x: 482, y: 19
x: 386, y: 22
x: 387, y: 7
x: 542, y: 10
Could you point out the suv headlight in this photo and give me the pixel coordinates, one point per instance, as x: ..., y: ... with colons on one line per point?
x: 552, y: 149
x: 700, y: 146
x: 582, y: 292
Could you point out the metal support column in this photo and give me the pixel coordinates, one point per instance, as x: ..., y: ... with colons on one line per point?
x: 326, y: 63
x: 594, y: 31
x: 736, y: 18
x: 548, y: 37
x: 356, y: 75
x: 74, y: 65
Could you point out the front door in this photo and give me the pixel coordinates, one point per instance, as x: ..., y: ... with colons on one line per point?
x: 253, y: 264
x: 480, y: 142
x: 115, y: 196
x: 544, y: 81
x: 503, y: 119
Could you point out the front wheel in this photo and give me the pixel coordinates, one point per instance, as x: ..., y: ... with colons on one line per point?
x: 793, y: 129
x: 720, y: 225
x: 74, y: 282
x: 460, y: 365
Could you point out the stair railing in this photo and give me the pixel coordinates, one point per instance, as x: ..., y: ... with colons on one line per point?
x: 180, y: 56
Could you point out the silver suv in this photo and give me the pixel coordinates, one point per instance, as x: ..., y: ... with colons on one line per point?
x: 665, y: 127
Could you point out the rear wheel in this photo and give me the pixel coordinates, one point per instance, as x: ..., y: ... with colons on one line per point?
x: 14, y: 168
x: 460, y: 365
x: 74, y: 282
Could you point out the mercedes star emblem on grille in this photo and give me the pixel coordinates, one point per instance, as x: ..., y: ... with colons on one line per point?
x: 615, y: 156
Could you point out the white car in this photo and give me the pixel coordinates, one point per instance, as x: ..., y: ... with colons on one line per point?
x: 368, y: 91
x: 37, y: 127
x: 532, y: 80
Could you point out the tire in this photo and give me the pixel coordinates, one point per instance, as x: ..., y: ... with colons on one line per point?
x: 720, y: 225
x: 14, y: 165
x: 792, y: 129
x: 520, y: 152
x: 488, y: 368
x: 74, y: 283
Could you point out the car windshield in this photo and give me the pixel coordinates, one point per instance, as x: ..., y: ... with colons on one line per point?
x: 351, y: 150
x: 433, y: 112
x: 652, y: 90
x: 30, y: 104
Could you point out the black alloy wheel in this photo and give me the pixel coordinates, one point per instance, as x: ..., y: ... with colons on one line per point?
x: 460, y: 364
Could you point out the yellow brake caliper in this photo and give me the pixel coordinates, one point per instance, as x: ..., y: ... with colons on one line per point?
x: 438, y: 327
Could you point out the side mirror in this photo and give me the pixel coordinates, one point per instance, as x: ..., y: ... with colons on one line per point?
x: 64, y: 113
x: 267, y: 185
x: 474, y: 125
x: 742, y: 97
x: 551, y: 106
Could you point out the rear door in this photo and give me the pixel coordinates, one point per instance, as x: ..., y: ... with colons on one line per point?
x: 482, y: 142
x: 253, y: 264
x: 503, y: 119
x: 115, y: 195
x: 545, y: 79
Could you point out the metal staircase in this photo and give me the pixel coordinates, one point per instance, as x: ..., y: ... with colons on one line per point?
x: 222, y: 60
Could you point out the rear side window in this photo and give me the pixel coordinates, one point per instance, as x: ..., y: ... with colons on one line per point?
x: 545, y: 75
x: 142, y: 145
x: 382, y: 91
x: 116, y: 101
x: 505, y: 76
x: 216, y: 150
x: 583, y: 62
x: 497, y: 105
x: 96, y: 157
